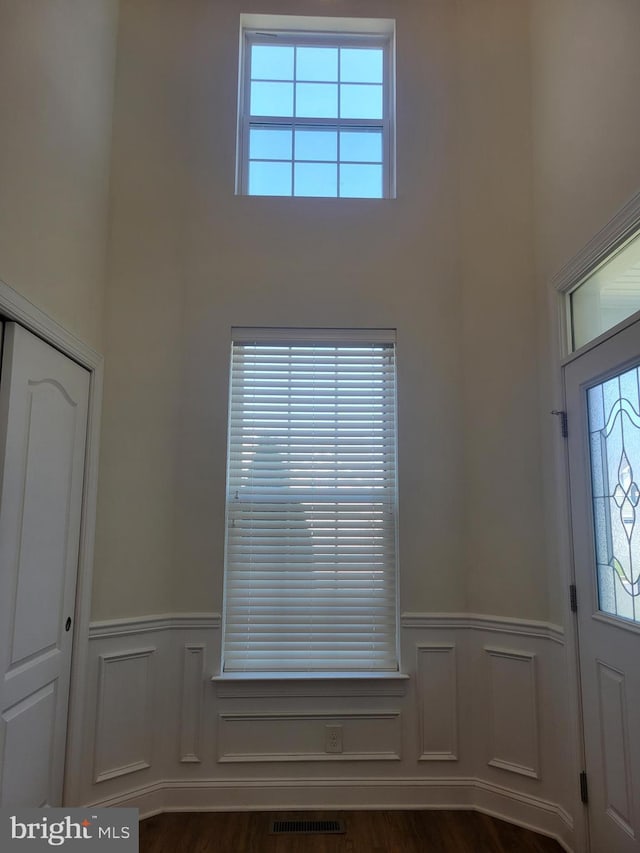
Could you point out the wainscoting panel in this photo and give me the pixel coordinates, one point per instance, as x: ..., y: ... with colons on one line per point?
x: 302, y: 737
x: 191, y: 716
x: 513, y: 736
x: 437, y: 688
x: 125, y: 718
x: 479, y: 722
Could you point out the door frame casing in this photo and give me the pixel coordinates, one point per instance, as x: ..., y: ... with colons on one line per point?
x: 14, y: 306
x: 603, y: 244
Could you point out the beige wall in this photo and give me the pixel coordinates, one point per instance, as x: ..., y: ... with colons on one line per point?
x: 448, y: 263
x: 56, y: 82
x: 586, y: 121
x: 137, y: 500
x: 586, y: 132
x: 501, y: 479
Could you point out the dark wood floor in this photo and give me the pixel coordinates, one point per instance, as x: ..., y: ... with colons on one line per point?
x: 366, y: 832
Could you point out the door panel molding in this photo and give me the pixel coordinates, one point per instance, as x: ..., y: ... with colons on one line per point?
x: 614, y: 732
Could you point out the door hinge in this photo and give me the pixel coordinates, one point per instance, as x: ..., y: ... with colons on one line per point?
x: 573, y: 597
x: 564, y: 426
x: 584, y: 791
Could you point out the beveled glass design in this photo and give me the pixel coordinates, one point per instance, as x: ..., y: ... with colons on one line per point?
x: 614, y: 433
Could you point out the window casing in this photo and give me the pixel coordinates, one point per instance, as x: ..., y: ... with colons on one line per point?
x: 310, y: 556
x: 316, y: 112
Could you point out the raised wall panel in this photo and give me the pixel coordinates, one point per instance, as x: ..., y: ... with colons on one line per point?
x: 301, y: 737
x: 513, y: 736
x: 437, y: 702
x: 125, y: 719
x: 191, y: 711
x: 28, y: 741
x: 615, y: 739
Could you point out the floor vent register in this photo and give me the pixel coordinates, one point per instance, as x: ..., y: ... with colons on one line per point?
x: 307, y: 827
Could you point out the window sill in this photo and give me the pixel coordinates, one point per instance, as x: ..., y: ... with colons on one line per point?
x: 265, y: 684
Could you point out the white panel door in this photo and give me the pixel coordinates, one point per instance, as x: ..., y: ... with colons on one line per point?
x: 603, y: 406
x: 43, y: 423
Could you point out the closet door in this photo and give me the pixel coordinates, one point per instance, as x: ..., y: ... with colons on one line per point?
x: 43, y: 424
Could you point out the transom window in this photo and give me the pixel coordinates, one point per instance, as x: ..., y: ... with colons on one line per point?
x: 316, y: 112
x: 310, y: 560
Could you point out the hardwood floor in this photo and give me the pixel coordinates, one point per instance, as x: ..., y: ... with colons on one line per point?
x: 366, y: 832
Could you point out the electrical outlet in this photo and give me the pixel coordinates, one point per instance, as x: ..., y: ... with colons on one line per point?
x: 333, y: 738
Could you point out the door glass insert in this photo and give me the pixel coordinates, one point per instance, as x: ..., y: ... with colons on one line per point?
x: 614, y: 434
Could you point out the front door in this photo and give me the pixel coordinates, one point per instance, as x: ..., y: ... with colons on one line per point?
x: 43, y: 423
x: 602, y: 390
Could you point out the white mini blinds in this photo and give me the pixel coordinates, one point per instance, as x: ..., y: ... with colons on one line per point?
x: 310, y: 581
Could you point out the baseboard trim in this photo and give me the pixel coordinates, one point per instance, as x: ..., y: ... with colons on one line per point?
x: 408, y: 793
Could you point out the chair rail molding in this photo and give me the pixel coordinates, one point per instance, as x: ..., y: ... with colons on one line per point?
x: 143, y: 624
x: 482, y: 622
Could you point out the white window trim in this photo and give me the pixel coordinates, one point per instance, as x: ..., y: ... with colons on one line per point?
x: 296, y: 336
x: 290, y: 30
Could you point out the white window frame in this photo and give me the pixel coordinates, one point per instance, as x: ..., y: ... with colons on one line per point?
x: 293, y: 31
x: 308, y: 337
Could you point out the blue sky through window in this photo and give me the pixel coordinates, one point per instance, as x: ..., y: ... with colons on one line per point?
x: 336, y: 84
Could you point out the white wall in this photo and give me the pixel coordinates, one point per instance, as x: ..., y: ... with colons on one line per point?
x: 56, y: 86
x: 448, y: 263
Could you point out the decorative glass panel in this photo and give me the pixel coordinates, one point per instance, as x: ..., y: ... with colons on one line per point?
x: 614, y: 429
